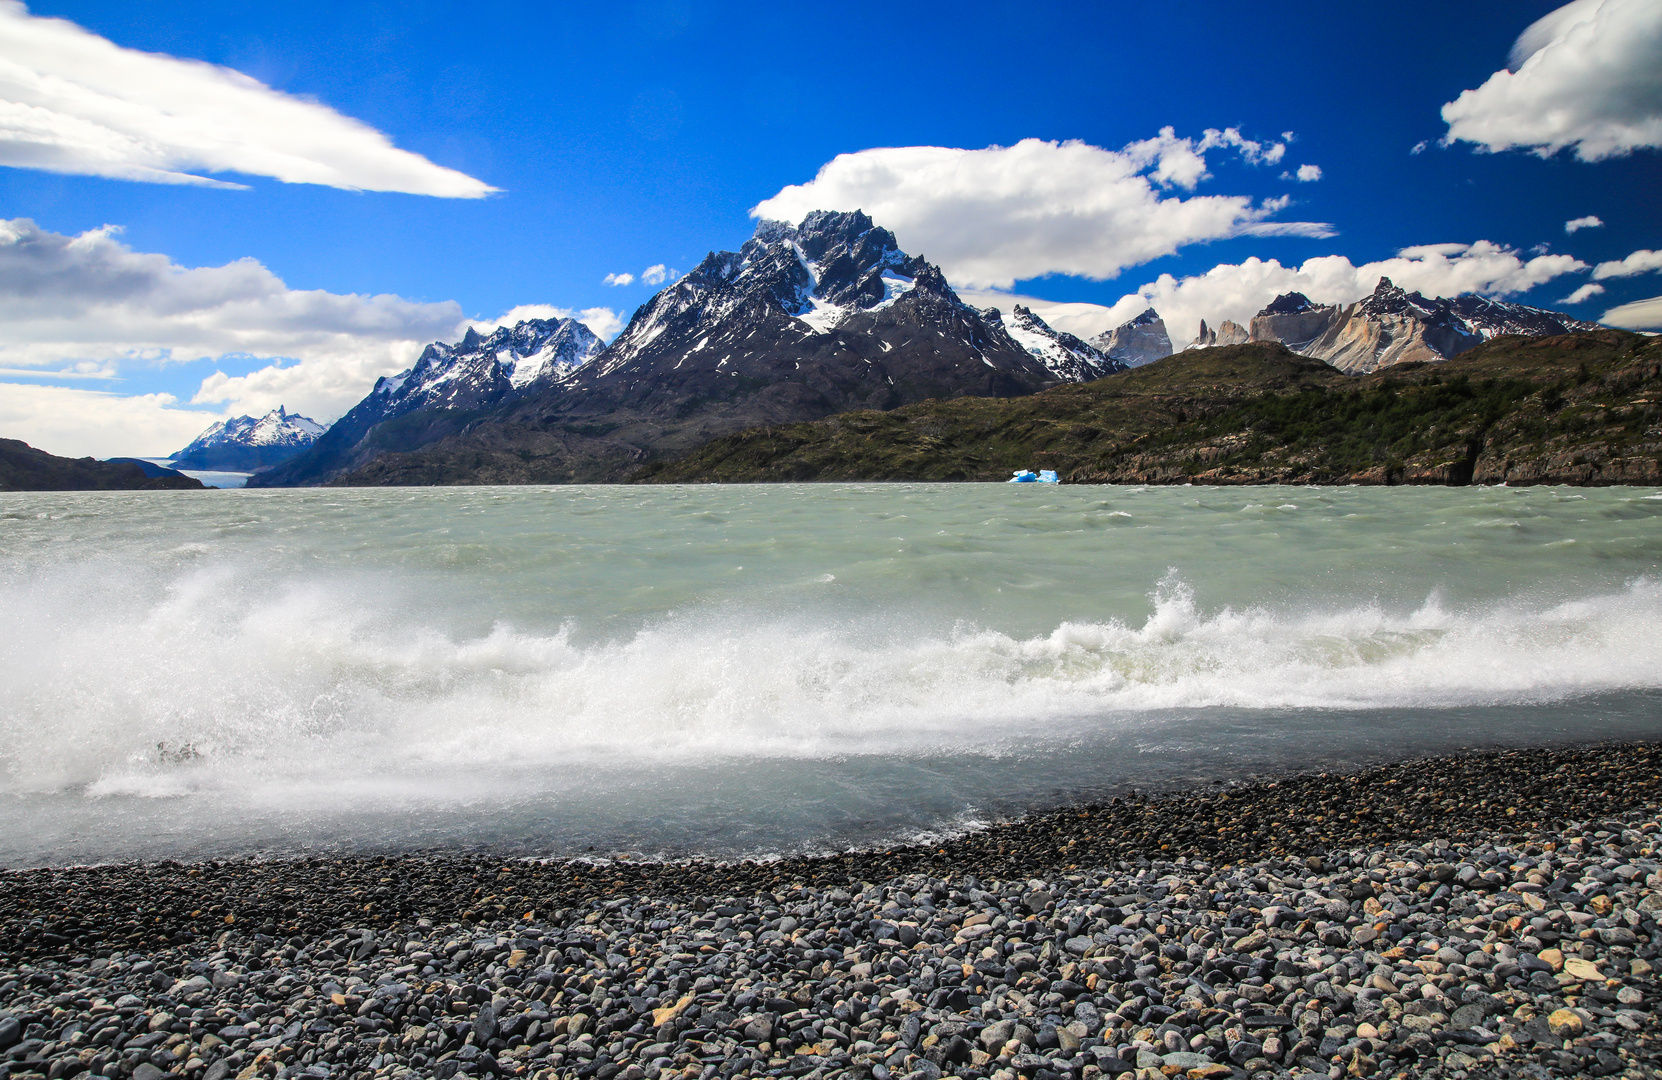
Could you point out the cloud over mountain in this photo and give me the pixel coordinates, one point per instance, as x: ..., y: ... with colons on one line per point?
x: 991, y: 217
x: 74, y: 102
x: 1587, y: 76
x: 88, y: 305
x: 1239, y: 290
x: 1639, y: 315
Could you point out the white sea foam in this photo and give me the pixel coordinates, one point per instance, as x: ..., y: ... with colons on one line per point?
x: 327, y: 690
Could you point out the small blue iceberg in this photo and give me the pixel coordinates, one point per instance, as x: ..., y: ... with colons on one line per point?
x: 1027, y: 476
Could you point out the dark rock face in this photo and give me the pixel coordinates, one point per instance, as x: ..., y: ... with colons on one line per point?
x: 448, y: 386
x: 244, y: 443
x: 802, y: 322
x: 23, y: 468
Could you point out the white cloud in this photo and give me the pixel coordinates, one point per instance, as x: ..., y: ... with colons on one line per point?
x: 1640, y: 262
x: 656, y: 275
x: 991, y: 217
x: 1309, y: 173
x: 74, y: 307
x: 73, y: 102
x: 89, y: 299
x: 1585, y: 76
x: 73, y: 422
x: 1586, y: 292
x: 1577, y: 224
x: 1240, y: 291
x: 619, y: 279
x: 1639, y: 315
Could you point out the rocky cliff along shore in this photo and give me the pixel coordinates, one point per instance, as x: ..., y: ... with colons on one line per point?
x: 1484, y: 915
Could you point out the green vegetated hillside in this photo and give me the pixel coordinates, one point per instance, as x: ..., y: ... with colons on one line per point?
x: 23, y: 468
x: 1575, y: 409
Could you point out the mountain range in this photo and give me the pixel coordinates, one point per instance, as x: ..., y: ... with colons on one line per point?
x: 804, y: 321
x: 243, y: 443
x: 1392, y: 326
x: 447, y: 387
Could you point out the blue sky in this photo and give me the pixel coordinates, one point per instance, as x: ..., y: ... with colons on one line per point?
x: 628, y: 135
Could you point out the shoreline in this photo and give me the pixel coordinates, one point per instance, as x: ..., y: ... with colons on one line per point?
x: 1231, y: 930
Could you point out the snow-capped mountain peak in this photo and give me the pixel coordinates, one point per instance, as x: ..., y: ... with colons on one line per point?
x: 821, y: 272
x: 245, y: 443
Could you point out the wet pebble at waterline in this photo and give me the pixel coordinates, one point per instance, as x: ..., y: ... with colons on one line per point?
x: 1483, y: 951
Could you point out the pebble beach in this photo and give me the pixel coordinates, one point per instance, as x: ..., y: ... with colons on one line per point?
x: 1487, y: 914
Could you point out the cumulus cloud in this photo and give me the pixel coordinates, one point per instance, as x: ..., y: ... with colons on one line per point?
x: 1587, y: 76
x: 1239, y: 291
x: 1639, y: 315
x: 1308, y: 174
x: 619, y: 279
x: 67, y: 300
x: 74, y: 307
x: 1640, y: 262
x: 991, y: 217
x: 1577, y: 224
x: 73, y: 102
x: 657, y: 275
x: 1586, y: 292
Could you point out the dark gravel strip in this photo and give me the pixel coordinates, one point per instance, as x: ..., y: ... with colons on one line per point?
x: 46, y: 912
x: 1485, y: 915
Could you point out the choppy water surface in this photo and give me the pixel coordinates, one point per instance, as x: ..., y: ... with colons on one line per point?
x: 747, y: 669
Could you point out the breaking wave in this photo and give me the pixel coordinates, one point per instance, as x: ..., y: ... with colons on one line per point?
x: 330, y: 691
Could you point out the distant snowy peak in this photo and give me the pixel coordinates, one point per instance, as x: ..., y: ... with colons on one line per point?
x: 483, y: 369
x: 1140, y: 341
x: 1069, y: 358
x: 245, y: 443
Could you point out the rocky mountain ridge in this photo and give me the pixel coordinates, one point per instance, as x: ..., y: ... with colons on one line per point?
x: 246, y: 443
x: 1393, y: 326
x: 1140, y: 341
x: 1069, y: 358
x: 1390, y: 326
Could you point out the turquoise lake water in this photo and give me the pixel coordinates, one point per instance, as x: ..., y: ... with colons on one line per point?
x: 758, y: 669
